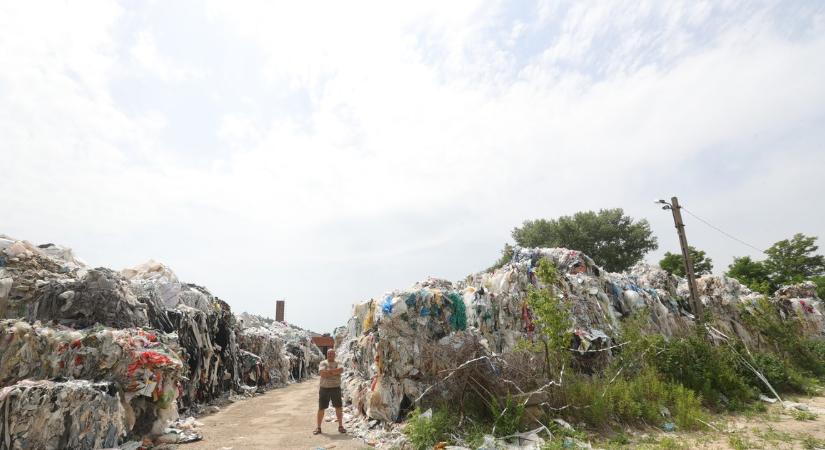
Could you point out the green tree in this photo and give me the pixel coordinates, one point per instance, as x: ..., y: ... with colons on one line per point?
x: 820, y: 285
x: 674, y: 264
x: 752, y: 274
x: 614, y: 241
x: 789, y: 261
x: 793, y: 260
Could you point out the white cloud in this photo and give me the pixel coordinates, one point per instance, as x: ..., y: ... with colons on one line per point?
x: 147, y: 56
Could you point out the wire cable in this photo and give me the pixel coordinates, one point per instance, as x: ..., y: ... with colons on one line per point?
x: 720, y: 230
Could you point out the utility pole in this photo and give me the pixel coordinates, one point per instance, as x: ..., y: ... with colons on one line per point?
x: 695, y: 304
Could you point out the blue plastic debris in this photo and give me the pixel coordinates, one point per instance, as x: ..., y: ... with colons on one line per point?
x: 387, y: 307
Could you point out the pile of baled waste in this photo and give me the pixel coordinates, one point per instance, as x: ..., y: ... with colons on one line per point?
x: 390, y: 342
x: 91, y: 357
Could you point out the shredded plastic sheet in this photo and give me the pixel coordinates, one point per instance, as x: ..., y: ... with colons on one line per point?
x: 381, y: 345
x: 52, y: 416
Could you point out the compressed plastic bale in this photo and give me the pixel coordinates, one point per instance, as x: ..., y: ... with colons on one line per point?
x: 51, y: 415
x: 37, y: 351
x: 196, y: 297
x: 64, y: 254
x: 247, y: 320
x: 304, y: 355
x: 286, y: 351
x: 385, y: 400
x: 270, y: 350
x: 252, y: 369
x: 209, y: 348
x: 150, y: 296
x: 20, y: 249
x: 100, y: 296
x: 30, y: 269
x: 144, y: 369
x: 159, y: 275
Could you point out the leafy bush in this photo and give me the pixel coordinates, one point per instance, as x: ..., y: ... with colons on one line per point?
x: 552, y: 320
x: 506, y: 414
x: 712, y: 371
x: 787, y: 337
x: 811, y: 358
x: 780, y: 373
x: 424, y: 432
x: 644, y: 398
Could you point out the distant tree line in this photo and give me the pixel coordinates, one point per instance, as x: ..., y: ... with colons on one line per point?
x: 617, y: 241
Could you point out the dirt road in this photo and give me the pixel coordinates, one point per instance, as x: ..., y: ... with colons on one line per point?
x: 776, y: 429
x: 280, y: 419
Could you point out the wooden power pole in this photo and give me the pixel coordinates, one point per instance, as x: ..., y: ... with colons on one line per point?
x: 695, y: 304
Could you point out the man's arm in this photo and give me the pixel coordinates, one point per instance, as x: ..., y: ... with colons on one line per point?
x: 331, y: 372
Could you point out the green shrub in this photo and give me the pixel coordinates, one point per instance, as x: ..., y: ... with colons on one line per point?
x: 810, y: 443
x: 787, y: 337
x: 739, y: 442
x: 804, y: 415
x: 643, y: 398
x: 687, y: 407
x: 473, y: 433
x: 552, y: 320
x: 811, y: 358
x: 425, y: 432
x: 506, y: 414
x: 712, y: 371
x: 780, y: 373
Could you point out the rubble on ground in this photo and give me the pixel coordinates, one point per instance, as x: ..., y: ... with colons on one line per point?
x: 160, y: 346
x: 389, y: 344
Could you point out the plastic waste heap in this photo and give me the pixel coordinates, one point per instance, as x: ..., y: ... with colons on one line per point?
x: 91, y: 357
x: 386, y: 347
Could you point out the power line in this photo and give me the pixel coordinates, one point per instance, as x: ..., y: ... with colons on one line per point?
x: 721, y: 231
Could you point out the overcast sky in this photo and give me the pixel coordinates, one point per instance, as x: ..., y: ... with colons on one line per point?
x: 327, y: 153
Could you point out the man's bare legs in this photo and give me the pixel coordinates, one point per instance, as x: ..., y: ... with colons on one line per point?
x: 320, y: 417
x: 339, y: 413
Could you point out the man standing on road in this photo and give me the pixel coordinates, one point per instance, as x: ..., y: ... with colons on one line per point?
x: 330, y: 391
